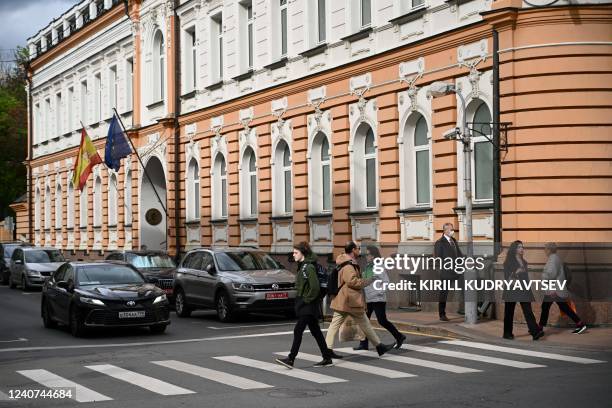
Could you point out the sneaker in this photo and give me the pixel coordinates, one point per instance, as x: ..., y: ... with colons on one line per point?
x: 580, y: 329
x: 287, y: 362
x: 538, y: 335
x: 383, y: 348
x: 325, y: 363
x: 400, y: 341
x: 334, y: 355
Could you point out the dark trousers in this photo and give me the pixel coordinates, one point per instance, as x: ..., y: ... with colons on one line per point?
x: 313, y: 324
x: 563, y: 306
x: 380, y: 309
x: 444, y: 295
x: 529, y: 316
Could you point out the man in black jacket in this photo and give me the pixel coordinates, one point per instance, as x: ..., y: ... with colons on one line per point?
x: 447, y: 247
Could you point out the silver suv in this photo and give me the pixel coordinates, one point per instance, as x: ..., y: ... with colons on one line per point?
x: 231, y: 281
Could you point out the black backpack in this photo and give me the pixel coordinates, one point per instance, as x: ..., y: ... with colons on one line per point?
x: 332, y: 283
x: 321, y: 276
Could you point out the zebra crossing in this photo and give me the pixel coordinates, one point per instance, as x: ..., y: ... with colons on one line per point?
x: 410, y: 362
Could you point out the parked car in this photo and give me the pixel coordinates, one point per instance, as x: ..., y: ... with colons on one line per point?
x: 6, y: 251
x: 84, y: 295
x: 31, y: 266
x: 156, y: 266
x: 232, y: 280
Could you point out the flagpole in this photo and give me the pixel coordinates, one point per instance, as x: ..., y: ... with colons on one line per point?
x: 141, y: 164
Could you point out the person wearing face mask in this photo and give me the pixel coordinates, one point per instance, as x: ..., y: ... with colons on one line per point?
x: 447, y: 247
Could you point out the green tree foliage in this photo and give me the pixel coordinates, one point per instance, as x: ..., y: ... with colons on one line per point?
x: 13, y: 131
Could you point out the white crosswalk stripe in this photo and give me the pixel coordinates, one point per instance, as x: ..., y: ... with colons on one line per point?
x: 413, y: 361
x: 275, y: 368
x: 213, y: 375
x: 523, y: 352
x: 140, y: 380
x: 469, y: 356
x: 50, y: 380
x: 365, y: 368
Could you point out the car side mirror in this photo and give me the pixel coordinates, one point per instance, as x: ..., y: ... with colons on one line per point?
x: 211, y: 269
x: 152, y: 279
x: 62, y: 284
x: 18, y: 262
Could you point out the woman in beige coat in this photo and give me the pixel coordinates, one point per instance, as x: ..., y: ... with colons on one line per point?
x: 350, y: 300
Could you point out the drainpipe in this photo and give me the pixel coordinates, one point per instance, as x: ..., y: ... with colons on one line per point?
x: 497, y: 219
x: 177, y: 135
x: 28, y: 162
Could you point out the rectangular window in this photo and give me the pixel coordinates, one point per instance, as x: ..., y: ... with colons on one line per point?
x: 196, y: 197
x: 249, y: 15
x: 416, y: 3
x: 98, y: 98
x: 283, y: 21
x: 37, y: 124
x: 321, y: 21
x: 47, y: 124
x: 253, y: 191
x: 112, y: 88
x: 190, y: 59
x: 287, y: 191
x: 223, y: 197
x: 366, y: 13
x: 483, y: 172
x: 70, y: 110
x: 326, y: 188
x: 84, y: 102
x: 129, y: 83
x: 217, y: 33
x: 70, y: 207
x: 422, y: 176
x: 58, y: 114
x: 371, y: 183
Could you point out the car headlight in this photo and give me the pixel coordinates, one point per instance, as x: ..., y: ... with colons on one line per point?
x: 32, y: 272
x: 91, y: 301
x: 161, y: 298
x: 242, y: 287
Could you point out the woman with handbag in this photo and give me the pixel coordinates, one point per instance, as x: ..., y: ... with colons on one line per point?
x: 307, y: 307
x: 515, y: 269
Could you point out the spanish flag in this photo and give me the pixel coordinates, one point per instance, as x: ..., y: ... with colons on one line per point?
x: 87, y: 158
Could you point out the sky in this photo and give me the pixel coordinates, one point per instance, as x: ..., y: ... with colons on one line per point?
x: 21, y: 19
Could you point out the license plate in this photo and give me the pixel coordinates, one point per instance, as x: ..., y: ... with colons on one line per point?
x: 277, y: 295
x: 128, y: 315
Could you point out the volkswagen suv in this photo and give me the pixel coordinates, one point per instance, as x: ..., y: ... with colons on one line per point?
x: 231, y: 281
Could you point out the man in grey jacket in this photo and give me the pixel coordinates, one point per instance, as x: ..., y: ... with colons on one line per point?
x: 555, y: 270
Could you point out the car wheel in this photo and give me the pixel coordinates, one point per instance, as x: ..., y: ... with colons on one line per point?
x: 224, y: 311
x: 24, y: 283
x: 48, y: 321
x: 158, y: 328
x: 180, y: 304
x: 77, y: 327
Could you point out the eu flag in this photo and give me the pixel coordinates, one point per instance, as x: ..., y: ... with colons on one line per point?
x: 117, y: 145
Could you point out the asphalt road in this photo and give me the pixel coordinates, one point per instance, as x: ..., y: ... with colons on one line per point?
x: 200, y: 362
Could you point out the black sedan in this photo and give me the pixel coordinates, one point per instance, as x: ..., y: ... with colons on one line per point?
x: 102, y: 294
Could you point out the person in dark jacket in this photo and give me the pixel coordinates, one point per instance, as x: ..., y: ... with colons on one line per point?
x: 307, y: 307
x: 515, y: 269
x: 447, y: 247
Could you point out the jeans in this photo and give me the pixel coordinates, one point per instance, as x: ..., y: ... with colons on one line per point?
x: 563, y: 306
x: 380, y: 309
x: 313, y: 324
x: 529, y: 317
x: 362, y: 321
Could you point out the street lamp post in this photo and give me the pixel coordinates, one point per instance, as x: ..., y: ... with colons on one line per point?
x: 437, y: 89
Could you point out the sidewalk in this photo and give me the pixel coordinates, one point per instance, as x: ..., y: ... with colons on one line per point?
x: 596, y: 338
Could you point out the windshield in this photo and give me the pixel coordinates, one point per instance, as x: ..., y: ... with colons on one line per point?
x: 108, y: 275
x: 245, y: 261
x: 8, y: 250
x: 151, y: 261
x: 43, y: 256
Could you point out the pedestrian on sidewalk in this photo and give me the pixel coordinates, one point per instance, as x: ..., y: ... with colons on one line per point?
x: 515, y: 269
x: 555, y: 270
x: 444, y: 248
x: 376, y: 300
x: 350, y: 300
x: 307, y: 307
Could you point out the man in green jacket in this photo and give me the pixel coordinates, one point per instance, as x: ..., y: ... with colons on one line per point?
x: 307, y: 306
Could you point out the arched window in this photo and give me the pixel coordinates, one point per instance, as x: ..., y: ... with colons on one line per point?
x: 83, y: 207
x: 70, y: 206
x: 193, y: 191
x: 370, y: 168
x: 320, y: 171
x: 249, y: 183
x: 483, y: 154
x: 58, y: 206
x: 37, y: 209
x: 127, y: 198
x: 112, y: 200
x: 364, y: 173
x: 220, y: 187
x: 282, y: 179
x: 97, y: 209
x: 48, y: 208
x: 159, y: 55
x: 421, y: 162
